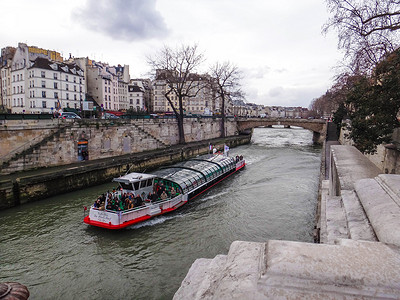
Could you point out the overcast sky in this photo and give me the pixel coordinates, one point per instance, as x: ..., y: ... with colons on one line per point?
x: 278, y: 45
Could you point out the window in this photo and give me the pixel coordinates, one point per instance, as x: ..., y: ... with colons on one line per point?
x: 105, y: 89
x: 66, y: 77
x: 43, y: 84
x: 17, y: 77
x: 43, y: 94
x: 56, y: 85
x: 55, y: 76
x: 67, y: 96
x: 75, y: 97
x: 137, y: 101
x: 44, y: 104
x: 43, y: 74
x: 66, y: 87
x: 56, y: 95
x: 74, y: 79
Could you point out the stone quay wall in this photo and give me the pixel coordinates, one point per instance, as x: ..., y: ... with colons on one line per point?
x: 30, y: 144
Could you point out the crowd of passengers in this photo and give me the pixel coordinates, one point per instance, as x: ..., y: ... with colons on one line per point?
x: 122, y: 201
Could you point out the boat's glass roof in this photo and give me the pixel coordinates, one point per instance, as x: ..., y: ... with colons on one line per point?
x: 192, y: 173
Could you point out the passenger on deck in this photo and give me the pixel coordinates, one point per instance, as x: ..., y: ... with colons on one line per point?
x: 164, y: 196
x: 138, y: 200
x: 130, y: 205
x: 161, y: 189
x: 173, y: 192
x: 96, y: 204
x: 154, y: 197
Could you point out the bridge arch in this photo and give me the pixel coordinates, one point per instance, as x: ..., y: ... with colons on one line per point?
x: 317, y: 126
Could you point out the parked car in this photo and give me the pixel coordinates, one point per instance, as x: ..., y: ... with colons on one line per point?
x: 69, y: 115
x: 107, y: 115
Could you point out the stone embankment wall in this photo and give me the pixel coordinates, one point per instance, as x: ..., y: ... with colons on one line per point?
x: 33, y: 144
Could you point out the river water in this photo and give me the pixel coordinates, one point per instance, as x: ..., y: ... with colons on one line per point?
x: 46, y: 246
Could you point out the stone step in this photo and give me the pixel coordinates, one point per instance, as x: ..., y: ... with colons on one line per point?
x: 294, y: 270
x: 379, y: 198
x: 336, y: 224
x: 203, y: 274
x: 323, y: 234
x: 357, y: 221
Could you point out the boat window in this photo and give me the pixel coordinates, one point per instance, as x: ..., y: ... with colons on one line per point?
x: 136, y: 185
x: 143, y: 184
x: 125, y: 186
x: 149, y: 182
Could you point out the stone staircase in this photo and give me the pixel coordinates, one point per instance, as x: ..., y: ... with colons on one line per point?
x: 294, y: 270
x: 358, y: 205
x: 31, y: 146
x: 160, y: 143
x: 343, y: 217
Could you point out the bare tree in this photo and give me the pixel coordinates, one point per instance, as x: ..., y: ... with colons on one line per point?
x: 367, y: 30
x: 226, y: 84
x: 177, y: 67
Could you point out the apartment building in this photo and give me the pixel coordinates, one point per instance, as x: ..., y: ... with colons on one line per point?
x: 202, y: 100
x: 51, y: 86
x: 35, y: 80
x: 108, y: 85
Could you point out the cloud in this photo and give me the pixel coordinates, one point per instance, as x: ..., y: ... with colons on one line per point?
x: 127, y: 20
x: 276, y: 91
x: 257, y: 72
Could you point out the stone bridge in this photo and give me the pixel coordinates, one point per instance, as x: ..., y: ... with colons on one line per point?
x: 317, y: 126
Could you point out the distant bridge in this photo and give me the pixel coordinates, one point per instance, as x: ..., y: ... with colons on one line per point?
x: 317, y: 126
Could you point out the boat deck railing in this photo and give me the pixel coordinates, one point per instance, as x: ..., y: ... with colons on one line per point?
x: 142, y: 207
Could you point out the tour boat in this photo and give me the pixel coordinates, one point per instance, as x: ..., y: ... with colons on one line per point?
x: 179, y: 183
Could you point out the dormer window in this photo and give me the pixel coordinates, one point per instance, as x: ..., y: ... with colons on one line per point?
x: 53, y: 66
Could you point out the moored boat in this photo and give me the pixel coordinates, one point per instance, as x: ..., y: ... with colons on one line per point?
x: 142, y: 196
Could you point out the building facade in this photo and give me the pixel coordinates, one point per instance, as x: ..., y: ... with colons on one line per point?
x: 108, y: 85
x: 202, y: 100
x: 35, y: 80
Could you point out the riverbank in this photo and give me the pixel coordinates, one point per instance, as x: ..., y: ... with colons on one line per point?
x: 25, y: 187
